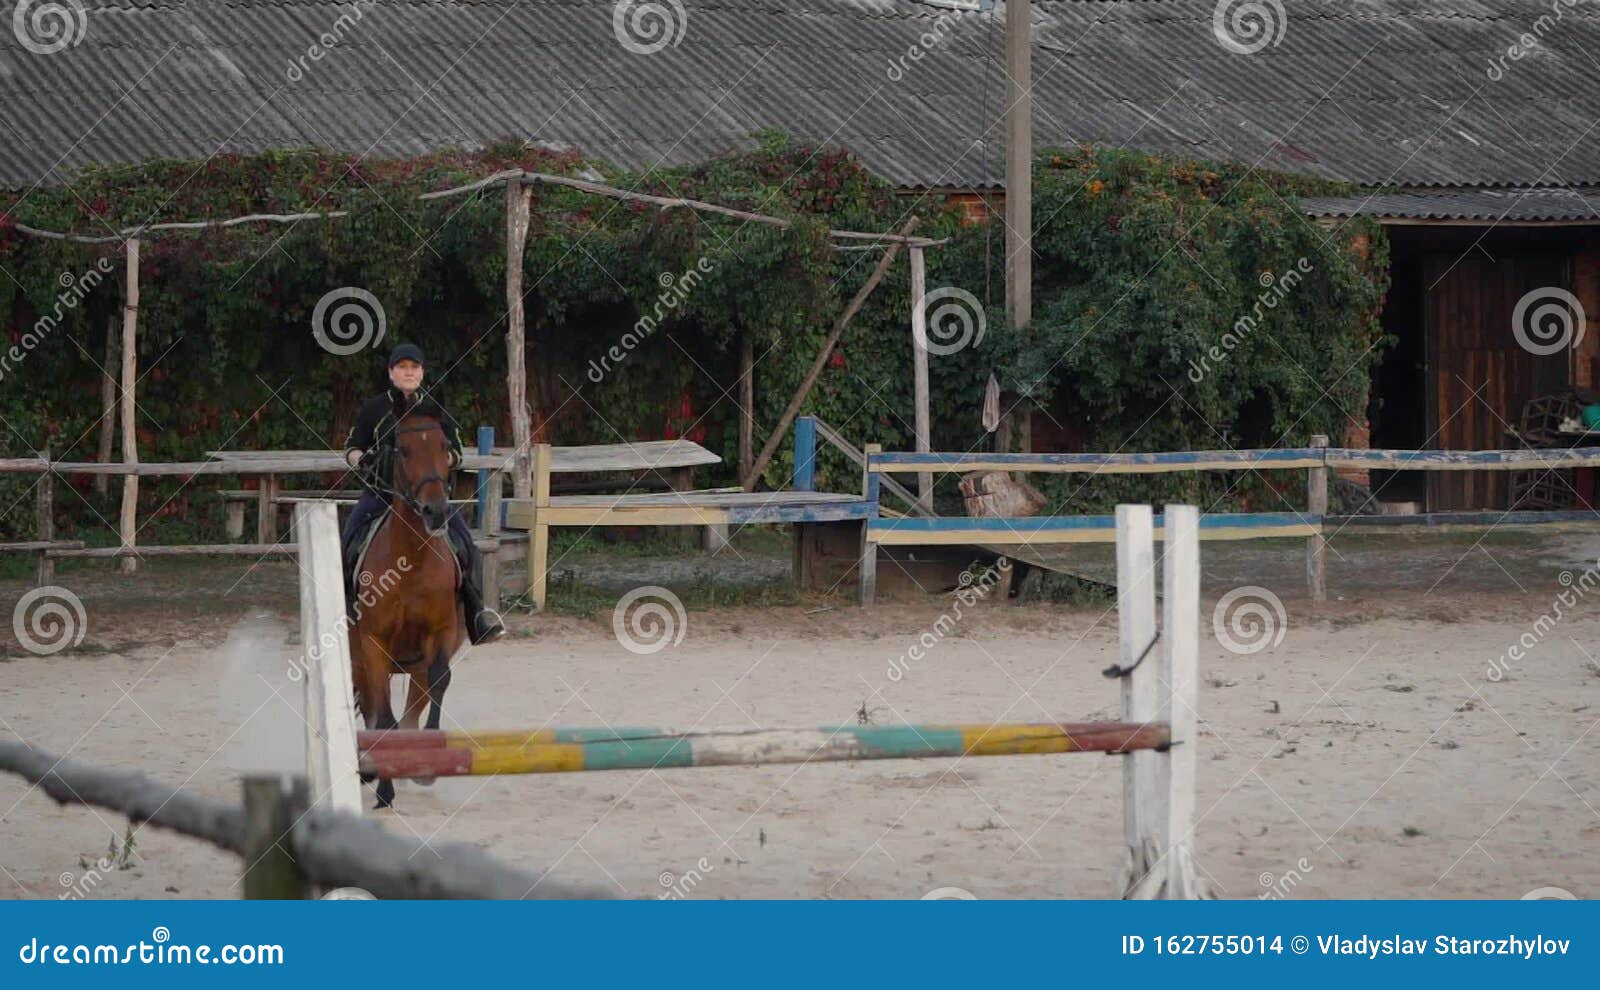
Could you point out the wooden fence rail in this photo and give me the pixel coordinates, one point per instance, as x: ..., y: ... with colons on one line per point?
x: 329, y: 848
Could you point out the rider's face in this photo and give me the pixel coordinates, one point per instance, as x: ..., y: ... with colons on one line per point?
x: 406, y: 375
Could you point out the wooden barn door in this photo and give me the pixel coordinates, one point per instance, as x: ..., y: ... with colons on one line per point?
x: 1478, y: 375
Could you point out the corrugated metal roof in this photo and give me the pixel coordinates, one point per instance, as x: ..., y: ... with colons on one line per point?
x: 1382, y: 92
x: 1505, y: 206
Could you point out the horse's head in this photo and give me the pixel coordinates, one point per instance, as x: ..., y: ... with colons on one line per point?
x: 422, y: 464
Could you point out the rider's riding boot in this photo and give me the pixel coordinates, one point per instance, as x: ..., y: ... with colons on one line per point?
x: 483, y: 625
x: 347, y: 554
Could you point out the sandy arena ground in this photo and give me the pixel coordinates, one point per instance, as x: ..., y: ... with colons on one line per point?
x: 1367, y: 754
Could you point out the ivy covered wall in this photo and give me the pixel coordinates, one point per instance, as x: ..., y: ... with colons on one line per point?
x: 1143, y: 265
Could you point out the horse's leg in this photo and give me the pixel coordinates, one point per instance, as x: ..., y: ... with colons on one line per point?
x: 380, y: 716
x: 416, y: 696
x: 438, y: 681
x: 365, y: 703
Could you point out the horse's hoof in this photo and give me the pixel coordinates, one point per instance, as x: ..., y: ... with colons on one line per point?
x: 367, y: 778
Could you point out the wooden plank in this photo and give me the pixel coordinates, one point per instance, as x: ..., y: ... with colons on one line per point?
x: 198, y: 550
x: 325, y: 636
x: 1077, y: 529
x: 1465, y: 460
x: 901, y: 462
x: 644, y: 455
x: 887, y: 482
x: 1558, y: 519
x: 1136, y: 631
x: 108, y: 402
x: 591, y: 749
x: 128, y: 524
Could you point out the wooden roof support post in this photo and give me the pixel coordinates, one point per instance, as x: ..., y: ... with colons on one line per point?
x: 782, y: 428
x: 130, y: 438
x: 518, y: 197
x: 919, y: 357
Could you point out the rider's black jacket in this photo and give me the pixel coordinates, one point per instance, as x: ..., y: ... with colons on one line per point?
x: 373, y: 432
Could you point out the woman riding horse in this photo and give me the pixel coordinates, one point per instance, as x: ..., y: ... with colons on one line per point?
x: 369, y: 449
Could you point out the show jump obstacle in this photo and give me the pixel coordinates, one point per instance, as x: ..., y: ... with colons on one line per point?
x: 1156, y: 738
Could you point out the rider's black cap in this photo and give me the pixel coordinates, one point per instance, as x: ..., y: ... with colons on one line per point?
x: 406, y: 352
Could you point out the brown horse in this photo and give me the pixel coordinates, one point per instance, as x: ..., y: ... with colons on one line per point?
x: 411, y: 620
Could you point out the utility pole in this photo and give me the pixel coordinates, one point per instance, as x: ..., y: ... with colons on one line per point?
x: 1019, y: 177
x: 1019, y: 162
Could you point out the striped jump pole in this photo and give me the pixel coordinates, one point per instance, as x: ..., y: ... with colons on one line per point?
x: 419, y: 753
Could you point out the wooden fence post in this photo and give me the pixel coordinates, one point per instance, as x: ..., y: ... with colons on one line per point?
x: 325, y: 638
x: 45, y: 517
x: 1136, y: 630
x: 868, y: 587
x: 1316, y: 544
x: 919, y: 361
x: 489, y: 496
x: 129, y: 522
x: 1180, y: 699
x: 518, y: 198
x: 539, y: 527
x: 805, y: 454
x: 270, y: 811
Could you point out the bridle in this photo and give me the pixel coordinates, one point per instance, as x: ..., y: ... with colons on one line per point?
x: 409, y: 495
